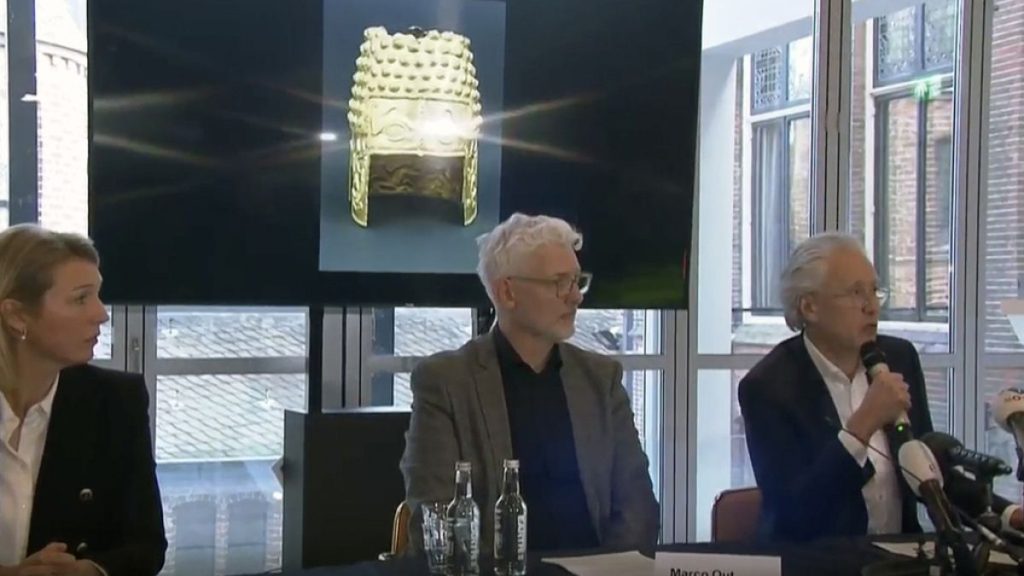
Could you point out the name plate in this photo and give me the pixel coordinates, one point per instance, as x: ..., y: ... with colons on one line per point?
x: 683, y: 564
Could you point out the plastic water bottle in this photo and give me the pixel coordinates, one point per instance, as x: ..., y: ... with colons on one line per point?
x: 510, y: 526
x: 463, y: 517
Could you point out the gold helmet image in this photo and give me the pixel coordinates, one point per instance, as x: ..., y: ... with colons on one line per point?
x: 414, y: 117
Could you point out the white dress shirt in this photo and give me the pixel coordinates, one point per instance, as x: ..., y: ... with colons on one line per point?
x: 882, y: 491
x: 19, y: 468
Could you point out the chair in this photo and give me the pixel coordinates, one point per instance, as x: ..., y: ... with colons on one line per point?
x: 399, y: 532
x: 735, y: 515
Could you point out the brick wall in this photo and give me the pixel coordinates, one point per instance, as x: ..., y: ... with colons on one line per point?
x: 5, y: 144
x: 1005, y: 214
x: 1004, y: 237
x: 904, y: 158
x: 737, y: 195
x: 799, y: 181
x: 63, y: 138
x: 221, y: 506
x: 938, y: 156
x: 858, y: 134
x: 899, y: 212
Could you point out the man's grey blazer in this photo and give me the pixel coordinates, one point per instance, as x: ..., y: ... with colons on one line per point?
x: 459, y: 413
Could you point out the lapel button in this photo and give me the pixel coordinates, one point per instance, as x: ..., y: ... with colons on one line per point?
x: 82, y: 548
x: 85, y: 495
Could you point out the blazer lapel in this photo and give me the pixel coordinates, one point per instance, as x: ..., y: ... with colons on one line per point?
x: 817, y: 392
x: 585, y: 419
x: 65, y: 456
x: 491, y: 398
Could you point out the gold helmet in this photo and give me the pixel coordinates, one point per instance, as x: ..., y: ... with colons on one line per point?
x: 414, y: 99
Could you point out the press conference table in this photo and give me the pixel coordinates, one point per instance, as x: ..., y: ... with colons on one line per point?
x: 838, y: 557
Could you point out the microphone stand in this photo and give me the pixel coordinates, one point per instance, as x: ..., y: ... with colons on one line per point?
x: 988, y: 518
x: 953, y: 540
x: 988, y: 524
x: 989, y: 541
x: 942, y: 553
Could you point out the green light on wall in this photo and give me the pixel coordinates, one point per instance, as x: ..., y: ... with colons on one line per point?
x: 927, y: 89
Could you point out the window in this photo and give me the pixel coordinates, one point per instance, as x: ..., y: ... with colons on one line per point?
x: 420, y: 331
x: 645, y: 390
x: 902, y: 164
x: 62, y: 114
x: 1003, y: 188
x: 722, y: 455
x: 766, y: 144
x: 1001, y: 284
x: 904, y: 202
x: 780, y: 203
x: 914, y: 186
x: 5, y: 132
x: 403, y: 336
x: 633, y: 332
x: 914, y: 41
x: 756, y: 116
x: 399, y: 338
x: 224, y: 377
x: 779, y: 166
x: 782, y: 76
x: 104, y: 348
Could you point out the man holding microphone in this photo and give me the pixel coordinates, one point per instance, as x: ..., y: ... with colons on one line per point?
x: 822, y: 433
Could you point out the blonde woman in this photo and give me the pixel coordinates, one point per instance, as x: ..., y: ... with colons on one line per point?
x: 78, y: 489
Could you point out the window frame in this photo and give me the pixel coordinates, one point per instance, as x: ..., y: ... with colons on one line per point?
x: 921, y: 312
x: 760, y: 304
x: 785, y: 102
x: 919, y: 68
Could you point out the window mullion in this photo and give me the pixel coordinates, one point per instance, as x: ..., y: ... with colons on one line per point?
x: 922, y: 207
x: 22, y: 108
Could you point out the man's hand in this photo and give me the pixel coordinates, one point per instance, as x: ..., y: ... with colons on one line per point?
x: 1017, y: 519
x: 888, y: 396
x: 51, y: 560
x: 83, y: 568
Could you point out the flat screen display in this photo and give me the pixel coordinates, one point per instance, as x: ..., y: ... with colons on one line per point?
x: 349, y: 152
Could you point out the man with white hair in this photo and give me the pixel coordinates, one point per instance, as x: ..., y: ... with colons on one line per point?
x: 522, y: 392
x: 815, y: 428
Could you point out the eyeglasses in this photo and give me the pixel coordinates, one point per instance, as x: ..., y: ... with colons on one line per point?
x: 563, y: 284
x: 861, y: 296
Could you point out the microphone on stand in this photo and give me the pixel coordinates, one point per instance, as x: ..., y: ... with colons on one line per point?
x: 971, y: 496
x: 875, y: 364
x: 974, y: 492
x: 1008, y: 410
x: 950, y: 452
x: 921, y: 471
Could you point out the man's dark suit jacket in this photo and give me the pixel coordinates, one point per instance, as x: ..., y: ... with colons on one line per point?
x: 811, y: 485
x: 97, y: 489
x: 459, y: 413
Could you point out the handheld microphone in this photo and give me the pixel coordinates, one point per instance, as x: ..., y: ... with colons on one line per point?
x: 875, y: 364
x: 1008, y: 411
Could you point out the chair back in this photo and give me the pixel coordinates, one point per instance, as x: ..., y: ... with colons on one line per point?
x: 735, y: 515
x: 400, y: 529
